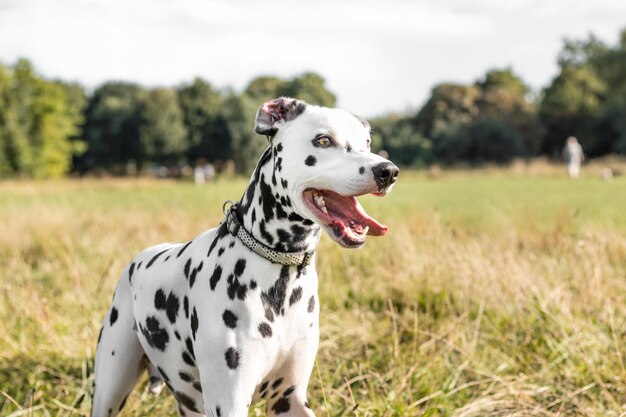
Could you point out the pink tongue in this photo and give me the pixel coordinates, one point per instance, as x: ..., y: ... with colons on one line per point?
x: 375, y: 228
x: 349, y: 209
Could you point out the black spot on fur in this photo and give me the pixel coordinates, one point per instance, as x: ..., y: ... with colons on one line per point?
x: 189, y: 345
x: 221, y: 232
x: 310, y: 160
x: 187, y: 267
x: 155, y: 257
x: 296, y: 295
x: 188, y: 359
x: 269, y: 201
x: 307, y: 405
x: 311, y: 305
x: 130, y: 272
x: 218, y: 411
x: 112, y: 353
x: 348, y: 147
x: 264, y: 234
x: 284, y: 183
x: 185, y: 376
x: 232, y: 358
x: 289, y: 391
x: 100, y: 334
x: 160, y: 301
x: 236, y: 288
x: 113, y: 316
x: 294, y: 217
x: 220, y: 252
x: 139, y: 265
x: 232, y: 244
x: 197, y: 386
x: 283, y: 235
x: 163, y: 374
x: 176, y: 334
x: 265, y: 330
x: 230, y: 319
x: 298, y: 232
x: 185, y: 400
x: 264, y: 387
x: 246, y: 201
x: 156, y: 336
x: 252, y: 284
x: 217, y: 274
x: 186, y: 306
x: 240, y: 266
x: 194, y: 323
x: 171, y: 304
x: 277, y: 383
x: 280, y: 213
x: 192, y: 276
x: 281, y: 406
x: 180, y: 252
x: 276, y: 294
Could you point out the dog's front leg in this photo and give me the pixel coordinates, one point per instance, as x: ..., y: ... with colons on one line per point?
x: 289, y: 400
x: 228, y: 373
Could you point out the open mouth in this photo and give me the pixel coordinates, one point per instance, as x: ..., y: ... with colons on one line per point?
x: 345, y: 219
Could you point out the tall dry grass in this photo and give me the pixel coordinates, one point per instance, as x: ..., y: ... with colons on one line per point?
x: 494, y: 294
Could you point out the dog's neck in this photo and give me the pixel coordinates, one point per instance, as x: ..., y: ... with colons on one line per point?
x: 267, y: 212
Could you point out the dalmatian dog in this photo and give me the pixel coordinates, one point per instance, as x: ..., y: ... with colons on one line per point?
x: 231, y: 317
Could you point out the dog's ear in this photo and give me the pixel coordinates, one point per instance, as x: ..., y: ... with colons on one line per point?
x: 274, y: 113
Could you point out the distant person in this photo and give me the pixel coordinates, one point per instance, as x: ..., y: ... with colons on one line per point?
x: 573, y: 156
x: 209, y: 171
x: 198, y: 175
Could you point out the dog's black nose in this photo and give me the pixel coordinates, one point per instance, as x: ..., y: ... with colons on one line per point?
x: 385, y: 174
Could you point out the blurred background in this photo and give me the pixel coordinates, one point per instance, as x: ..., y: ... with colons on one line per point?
x: 116, y: 87
x: 500, y: 289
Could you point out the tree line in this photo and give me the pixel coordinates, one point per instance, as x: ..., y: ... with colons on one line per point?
x: 50, y: 128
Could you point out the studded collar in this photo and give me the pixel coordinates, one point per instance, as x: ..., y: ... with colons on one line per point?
x: 236, y: 229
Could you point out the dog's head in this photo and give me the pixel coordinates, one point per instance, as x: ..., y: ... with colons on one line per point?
x: 326, y: 163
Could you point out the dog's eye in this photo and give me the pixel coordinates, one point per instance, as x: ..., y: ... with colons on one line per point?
x: 323, y: 142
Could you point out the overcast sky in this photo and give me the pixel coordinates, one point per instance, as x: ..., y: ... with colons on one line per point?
x: 377, y: 56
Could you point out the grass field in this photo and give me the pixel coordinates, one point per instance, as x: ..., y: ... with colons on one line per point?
x: 493, y: 294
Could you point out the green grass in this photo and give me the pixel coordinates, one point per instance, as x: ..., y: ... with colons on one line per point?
x: 493, y: 294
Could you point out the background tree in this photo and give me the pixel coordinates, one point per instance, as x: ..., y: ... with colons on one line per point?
x: 505, y: 97
x: 570, y: 106
x: 207, y: 130
x: 111, y: 132
x: 162, y: 132
x: 449, y: 107
x: 396, y: 135
x: 309, y: 87
x: 38, y: 120
x: 483, y: 140
x: 265, y: 88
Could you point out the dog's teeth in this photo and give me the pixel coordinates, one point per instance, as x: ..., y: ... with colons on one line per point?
x: 324, y: 210
x: 364, y: 231
x: 319, y: 201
